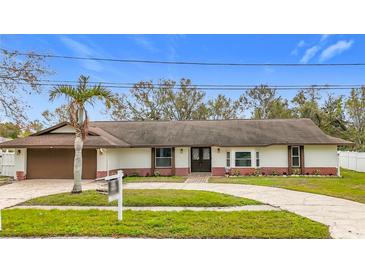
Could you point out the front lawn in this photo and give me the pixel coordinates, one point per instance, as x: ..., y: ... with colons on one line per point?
x: 145, y: 197
x: 148, y: 224
x: 351, y: 186
x: 171, y: 179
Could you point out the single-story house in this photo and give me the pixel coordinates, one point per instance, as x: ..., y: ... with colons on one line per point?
x: 245, y: 147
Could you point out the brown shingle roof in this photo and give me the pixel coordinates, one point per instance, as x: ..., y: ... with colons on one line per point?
x: 219, y: 132
x: 189, y: 133
x: 55, y: 140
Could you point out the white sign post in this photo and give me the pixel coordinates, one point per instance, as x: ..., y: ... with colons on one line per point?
x: 115, y: 191
x: 120, y: 198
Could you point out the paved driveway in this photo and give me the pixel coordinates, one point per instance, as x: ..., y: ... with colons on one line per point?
x: 22, y: 191
x: 346, y: 219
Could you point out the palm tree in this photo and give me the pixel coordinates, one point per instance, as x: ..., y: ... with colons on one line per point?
x: 77, y: 98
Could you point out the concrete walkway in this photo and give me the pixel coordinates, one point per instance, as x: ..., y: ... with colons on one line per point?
x: 157, y: 208
x: 18, y: 192
x: 346, y: 219
x: 198, y: 177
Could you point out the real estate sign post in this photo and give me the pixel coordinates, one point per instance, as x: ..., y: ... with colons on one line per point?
x: 115, y: 191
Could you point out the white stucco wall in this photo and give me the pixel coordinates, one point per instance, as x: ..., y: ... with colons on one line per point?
x: 64, y: 129
x: 182, y: 155
x: 320, y: 156
x: 273, y: 156
x: 123, y: 158
x: 219, y: 158
x: 20, y: 163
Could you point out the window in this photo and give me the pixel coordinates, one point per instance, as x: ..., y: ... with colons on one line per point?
x: 243, y: 158
x: 206, y: 153
x: 195, y: 154
x: 163, y: 157
x: 295, y: 156
x: 257, y: 159
x: 228, y: 159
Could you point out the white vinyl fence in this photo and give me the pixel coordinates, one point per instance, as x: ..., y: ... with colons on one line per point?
x: 352, y: 160
x: 7, y: 163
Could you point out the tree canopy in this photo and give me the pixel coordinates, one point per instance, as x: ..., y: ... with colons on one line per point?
x: 339, y: 116
x: 19, y: 75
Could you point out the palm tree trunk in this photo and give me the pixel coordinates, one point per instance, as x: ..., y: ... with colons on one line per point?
x: 78, y: 164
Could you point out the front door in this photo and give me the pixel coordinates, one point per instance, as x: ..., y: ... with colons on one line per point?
x: 200, y: 159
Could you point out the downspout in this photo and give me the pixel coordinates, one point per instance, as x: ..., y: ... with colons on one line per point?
x: 338, y: 165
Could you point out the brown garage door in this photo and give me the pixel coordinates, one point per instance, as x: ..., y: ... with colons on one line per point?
x: 58, y: 163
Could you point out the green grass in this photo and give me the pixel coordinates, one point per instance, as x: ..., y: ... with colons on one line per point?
x: 148, y: 224
x: 351, y: 186
x: 171, y: 179
x: 145, y: 197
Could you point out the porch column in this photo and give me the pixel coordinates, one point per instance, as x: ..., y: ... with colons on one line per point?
x: 302, y: 168
x: 289, y: 161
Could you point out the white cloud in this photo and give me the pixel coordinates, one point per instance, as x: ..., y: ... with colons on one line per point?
x: 324, y: 37
x: 301, y: 44
x: 335, y: 49
x: 145, y: 43
x: 294, y: 52
x: 83, y: 51
x: 309, y: 54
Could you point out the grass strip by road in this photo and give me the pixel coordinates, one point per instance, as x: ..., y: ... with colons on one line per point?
x: 145, y: 197
x: 351, y: 186
x: 148, y: 224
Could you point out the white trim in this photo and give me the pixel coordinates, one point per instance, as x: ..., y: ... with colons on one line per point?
x: 230, y: 159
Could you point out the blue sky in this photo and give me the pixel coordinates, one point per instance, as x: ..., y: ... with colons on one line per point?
x: 211, y: 48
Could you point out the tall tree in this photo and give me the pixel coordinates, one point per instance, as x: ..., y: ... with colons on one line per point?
x: 31, y: 127
x: 355, y: 109
x: 77, y: 99
x: 265, y: 103
x: 222, y: 107
x: 187, y: 103
x: 164, y: 101
x: 19, y: 75
x: 9, y: 130
x: 333, y: 116
x: 60, y: 114
x: 306, y: 105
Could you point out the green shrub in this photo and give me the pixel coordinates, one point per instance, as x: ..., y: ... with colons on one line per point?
x: 316, y: 172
